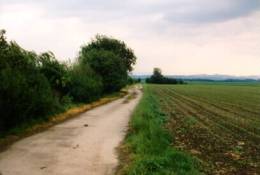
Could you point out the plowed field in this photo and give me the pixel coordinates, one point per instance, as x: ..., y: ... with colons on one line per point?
x: 219, y: 124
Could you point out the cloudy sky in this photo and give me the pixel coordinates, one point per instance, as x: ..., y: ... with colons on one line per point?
x: 179, y: 36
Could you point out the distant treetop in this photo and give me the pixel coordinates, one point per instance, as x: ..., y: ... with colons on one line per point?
x: 158, y: 78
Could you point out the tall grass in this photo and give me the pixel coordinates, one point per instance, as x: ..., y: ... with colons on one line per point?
x: 149, y: 144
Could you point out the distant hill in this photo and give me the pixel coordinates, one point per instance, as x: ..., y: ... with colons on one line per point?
x: 206, y: 77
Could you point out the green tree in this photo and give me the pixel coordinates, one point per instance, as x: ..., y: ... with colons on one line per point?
x: 3, y: 43
x: 108, y: 65
x: 158, y: 78
x: 157, y: 75
x: 118, y: 47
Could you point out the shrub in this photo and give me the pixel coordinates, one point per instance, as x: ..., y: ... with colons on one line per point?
x: 56, y: 73
x: 25, y: 93
x: 85, y: 85
x: 32, y: 86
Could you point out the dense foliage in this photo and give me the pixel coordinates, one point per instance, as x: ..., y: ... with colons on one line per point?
x: 158, y: 78
x: 25, y: 93
x: 85, y: 85
x: 109, y: 66
x: 33, y: 87
x: 110, y: 59
x: 119, y: 48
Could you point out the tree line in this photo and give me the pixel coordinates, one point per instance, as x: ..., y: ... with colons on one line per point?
x: 158, y: 78
x: 35, y: 86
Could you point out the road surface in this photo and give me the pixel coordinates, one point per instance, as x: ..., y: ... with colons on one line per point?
x: 84, y: 145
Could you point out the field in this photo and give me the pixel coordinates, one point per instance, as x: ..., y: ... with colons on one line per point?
x: 209, y: 128
x: 218, y: 123
x: 147, y: 149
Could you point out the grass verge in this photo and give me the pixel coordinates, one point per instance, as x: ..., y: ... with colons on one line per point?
x: 147, y: 148
x: 37, y: 126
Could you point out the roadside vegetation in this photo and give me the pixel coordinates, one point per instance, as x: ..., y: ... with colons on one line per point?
x: 217, y: 123
x: 34, y: 87
x: 210, y: 128
x: 147, y: 149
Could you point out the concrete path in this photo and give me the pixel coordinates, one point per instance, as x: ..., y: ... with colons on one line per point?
x: 81, y: 146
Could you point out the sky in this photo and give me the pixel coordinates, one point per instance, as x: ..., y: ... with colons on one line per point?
x: 181, y: 37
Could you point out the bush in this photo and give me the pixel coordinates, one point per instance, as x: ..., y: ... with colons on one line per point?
x: 85, y: 85
x: 25, y: 93
x: 32, y: 86
x: 56, y: 73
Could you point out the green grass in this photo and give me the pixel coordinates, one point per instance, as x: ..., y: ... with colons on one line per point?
x: 148, y: 144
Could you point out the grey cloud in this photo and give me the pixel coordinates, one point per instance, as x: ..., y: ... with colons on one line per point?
x: 184, y: 11
x: 172, y: 11
x: 212, y: 11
